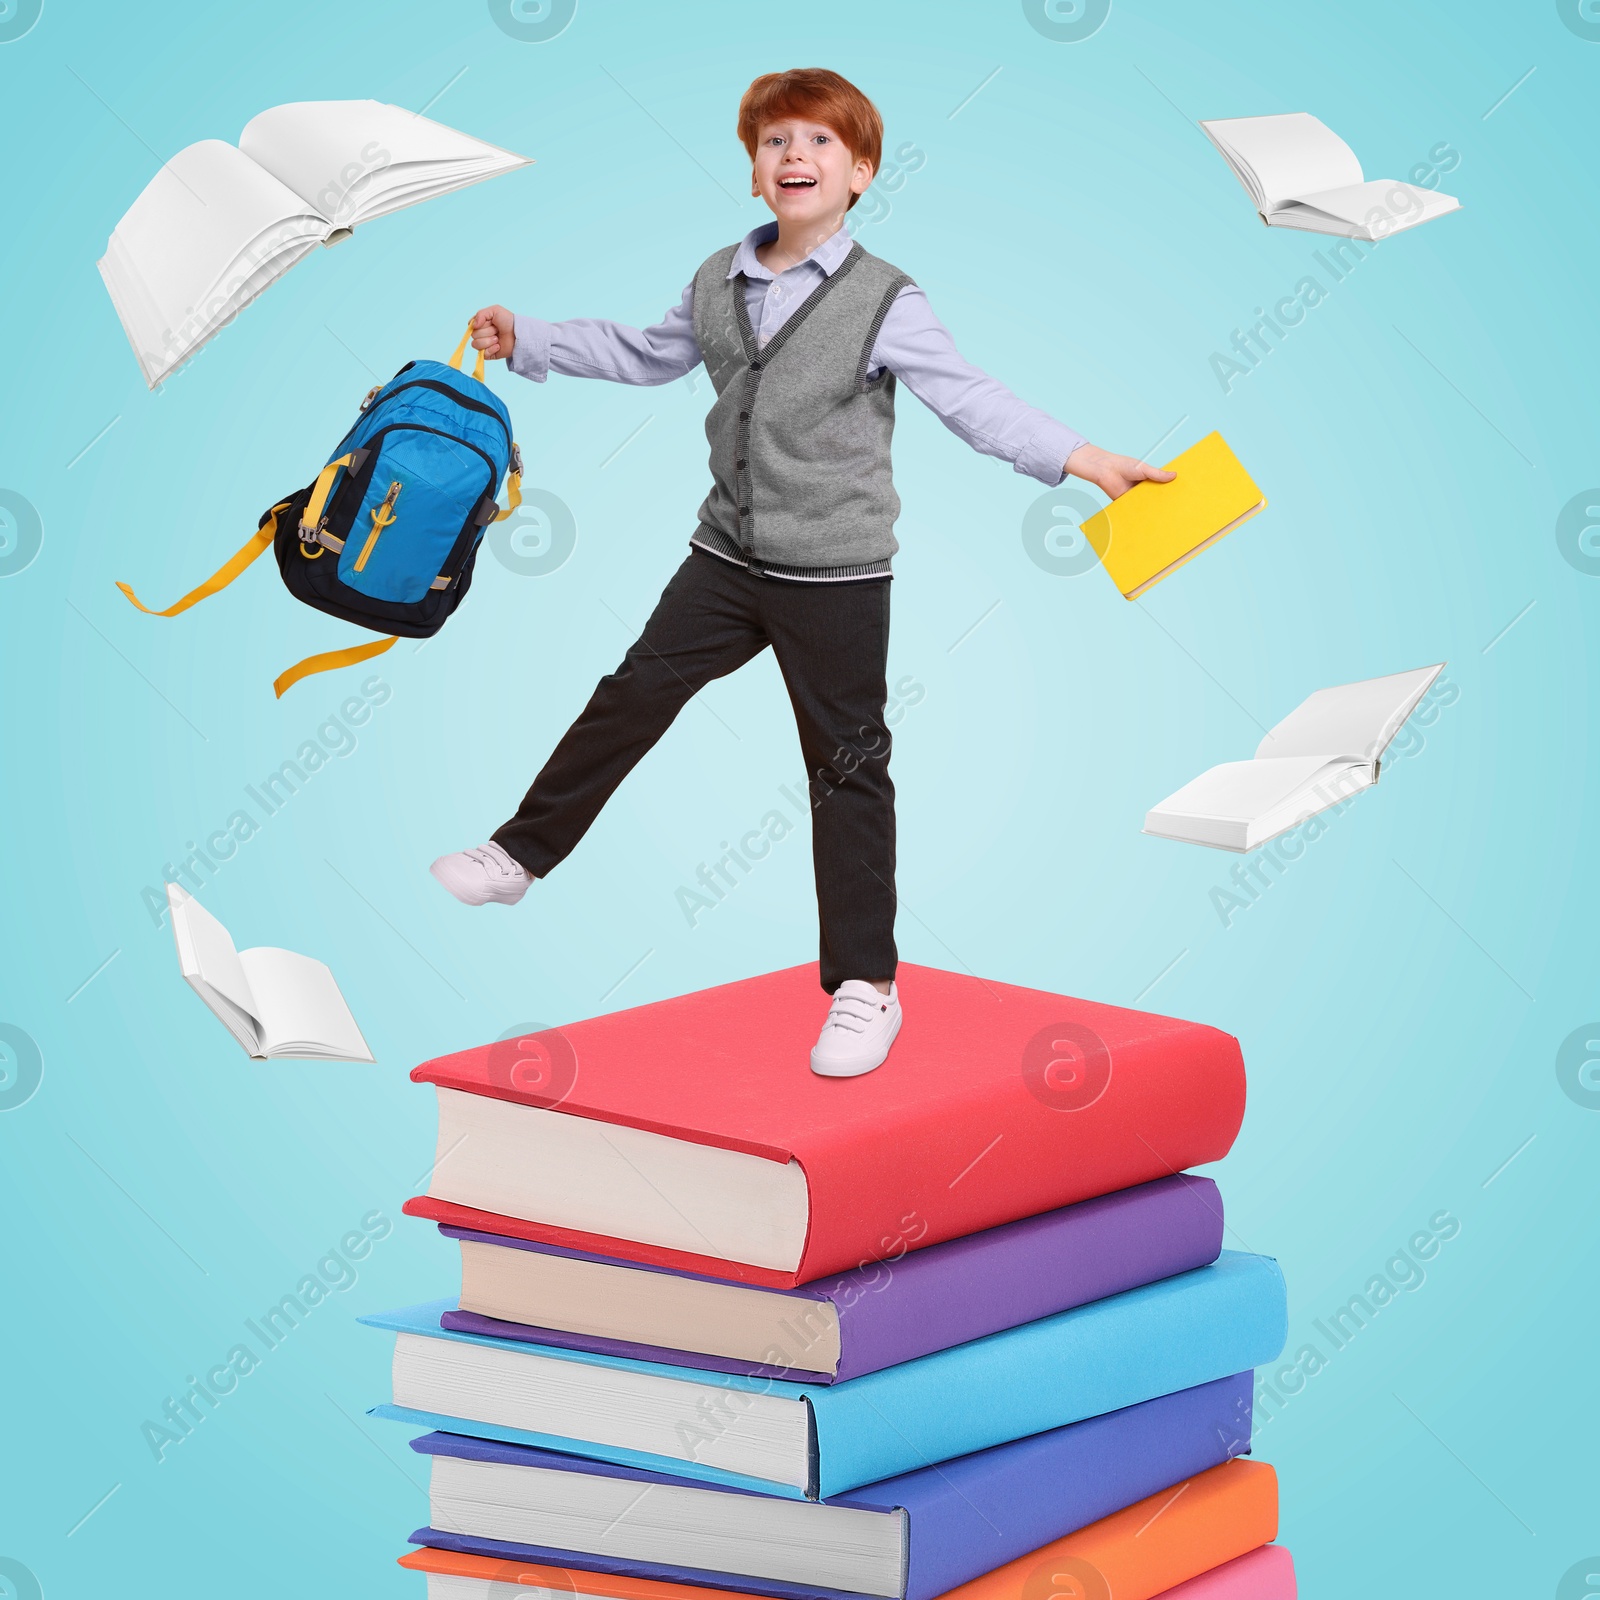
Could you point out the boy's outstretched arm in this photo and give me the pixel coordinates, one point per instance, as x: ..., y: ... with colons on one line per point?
x: 586, y: 348
x: 915, y: 346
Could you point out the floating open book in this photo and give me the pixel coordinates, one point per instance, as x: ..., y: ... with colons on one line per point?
x: 1301, y: 174
x: 1155, y: 527
x: 274, y: 1002
x: 1327, y: 749
x: 217, y: 224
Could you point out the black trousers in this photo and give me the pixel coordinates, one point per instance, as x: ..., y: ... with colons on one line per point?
x: 831, y: 642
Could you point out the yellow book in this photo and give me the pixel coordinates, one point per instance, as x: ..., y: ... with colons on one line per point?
x: 1155, y: 527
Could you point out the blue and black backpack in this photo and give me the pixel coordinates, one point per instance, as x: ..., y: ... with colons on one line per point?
x: 386, y: 535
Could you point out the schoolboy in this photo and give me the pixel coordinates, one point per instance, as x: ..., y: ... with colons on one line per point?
x: 805, y: 337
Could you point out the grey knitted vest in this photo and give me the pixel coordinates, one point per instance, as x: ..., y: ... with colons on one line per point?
x: 799, y: 435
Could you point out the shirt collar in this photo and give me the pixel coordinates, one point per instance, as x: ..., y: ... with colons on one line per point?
x: 828, y: 255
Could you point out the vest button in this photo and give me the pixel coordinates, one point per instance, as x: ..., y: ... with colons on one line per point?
x: 744, y: 511
x: 744, y: 416
x: 741, y: 464
x: 755, y: 366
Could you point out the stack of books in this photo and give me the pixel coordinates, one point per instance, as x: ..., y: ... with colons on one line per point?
x: 961, y: 1326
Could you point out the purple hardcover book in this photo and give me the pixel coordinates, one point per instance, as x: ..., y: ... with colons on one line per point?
x: 961, y: 1517
x: 893, y: 1311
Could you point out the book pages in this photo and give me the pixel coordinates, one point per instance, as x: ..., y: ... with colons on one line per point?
x: 1289, y: 156
x: 1355, y: 719
x: 302, y: 1012
x: 354, y: 160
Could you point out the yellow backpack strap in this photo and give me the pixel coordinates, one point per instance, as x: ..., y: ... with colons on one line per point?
x: 513, y: 485
x: 225, y: 574
x: 327, y: 662
x: 461, y: 350
x: 312, y: 514
x: 514, y: 477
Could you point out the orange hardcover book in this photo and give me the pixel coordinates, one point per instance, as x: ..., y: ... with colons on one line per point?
x: 1151, y: 1546
x: 1134, y: 1554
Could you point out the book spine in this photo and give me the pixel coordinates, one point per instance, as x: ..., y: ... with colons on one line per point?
x: 965, y: 1289
x: 1082, y: 1363
x: 1154, y: 1548
x: 968, y: 1519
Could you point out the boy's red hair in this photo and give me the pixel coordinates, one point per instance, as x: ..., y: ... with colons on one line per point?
x: 820, y: 96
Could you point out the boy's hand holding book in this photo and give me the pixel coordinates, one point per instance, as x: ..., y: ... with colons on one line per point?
x: 1111, y: 475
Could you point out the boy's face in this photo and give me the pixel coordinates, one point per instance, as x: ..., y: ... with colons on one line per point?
x: 804, y: 172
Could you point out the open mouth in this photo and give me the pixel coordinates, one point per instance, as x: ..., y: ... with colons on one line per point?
x: 797, y: 182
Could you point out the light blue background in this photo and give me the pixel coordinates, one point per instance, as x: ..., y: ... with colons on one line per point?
x: 1401, y: 990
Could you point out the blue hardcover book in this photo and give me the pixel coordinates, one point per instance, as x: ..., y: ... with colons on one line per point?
x: 813, y: 1440
x: 908, y: 1538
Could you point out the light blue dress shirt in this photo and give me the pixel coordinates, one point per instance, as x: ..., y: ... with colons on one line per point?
x: 913, y: 344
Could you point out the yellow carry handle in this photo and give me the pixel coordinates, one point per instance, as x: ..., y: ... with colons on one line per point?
x: 224, y: 575
x: 461, y: 350
x: 514, y: 477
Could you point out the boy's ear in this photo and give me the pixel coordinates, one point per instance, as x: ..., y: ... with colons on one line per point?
x: 861, y: 178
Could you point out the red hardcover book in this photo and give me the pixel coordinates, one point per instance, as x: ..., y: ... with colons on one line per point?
x: 691, y: 1133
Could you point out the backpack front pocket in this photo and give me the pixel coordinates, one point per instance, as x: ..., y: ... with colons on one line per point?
x: 422, y: 493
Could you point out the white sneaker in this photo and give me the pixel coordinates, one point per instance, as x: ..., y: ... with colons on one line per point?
x: 477, y: 876
x: 861, y: 1026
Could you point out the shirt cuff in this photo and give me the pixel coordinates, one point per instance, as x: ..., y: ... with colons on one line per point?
x: 530, y: 356
x: 1044, y: 456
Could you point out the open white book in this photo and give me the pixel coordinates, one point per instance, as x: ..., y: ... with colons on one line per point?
x: 1327, y: 749
x: 217, y: 224
x: 274, y: 1002
x: 1301, y: 174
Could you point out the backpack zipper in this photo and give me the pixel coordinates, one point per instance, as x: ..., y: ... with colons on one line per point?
x: 382, y: 515
x: 451, y: 394
x: 356, y: 485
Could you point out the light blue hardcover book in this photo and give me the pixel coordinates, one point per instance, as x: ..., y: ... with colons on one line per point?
x: 813, y: 1440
